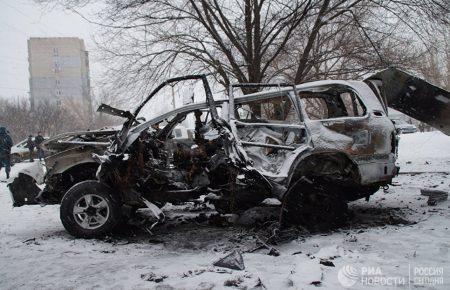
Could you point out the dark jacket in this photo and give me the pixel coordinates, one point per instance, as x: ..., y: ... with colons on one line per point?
x: 5, y: 142
x: 30, y: 143
x: 38, y: 140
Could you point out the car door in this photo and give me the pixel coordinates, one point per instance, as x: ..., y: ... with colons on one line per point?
x: 268, y: 127
x: 414, y: 97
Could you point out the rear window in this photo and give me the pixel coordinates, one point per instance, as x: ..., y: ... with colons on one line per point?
x: 332, y: 103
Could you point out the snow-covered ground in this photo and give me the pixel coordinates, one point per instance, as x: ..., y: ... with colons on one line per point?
x: 394, y: 239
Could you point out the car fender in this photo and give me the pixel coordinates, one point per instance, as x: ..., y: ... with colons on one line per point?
x: 35, y: 170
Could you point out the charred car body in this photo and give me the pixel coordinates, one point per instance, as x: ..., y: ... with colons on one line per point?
x: 263, y: 145
x: 313, y: 146
x: 69, y: 161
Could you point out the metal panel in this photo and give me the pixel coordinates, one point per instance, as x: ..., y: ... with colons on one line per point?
x: 415, y: 97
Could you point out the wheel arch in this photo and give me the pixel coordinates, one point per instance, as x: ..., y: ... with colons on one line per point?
x: 57, y: 184
x: 80, y: 165
x: 305, y: 162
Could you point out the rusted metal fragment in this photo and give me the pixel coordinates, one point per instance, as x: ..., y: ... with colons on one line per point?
x: 103, y: 108
x: 415, y: 97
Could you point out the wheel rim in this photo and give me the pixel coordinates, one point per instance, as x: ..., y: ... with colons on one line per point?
x: 91, y: 211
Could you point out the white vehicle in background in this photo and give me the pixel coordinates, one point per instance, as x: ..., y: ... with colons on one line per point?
x: 19, y: 151
x: 403, y: 127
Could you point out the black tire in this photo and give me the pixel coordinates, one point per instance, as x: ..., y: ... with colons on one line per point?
x: 72, y: 221
x: 315, y: 206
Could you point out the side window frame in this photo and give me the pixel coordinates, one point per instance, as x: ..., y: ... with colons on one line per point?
x: 350, y: 89
x: 287, y: 94
x: 290, y: 95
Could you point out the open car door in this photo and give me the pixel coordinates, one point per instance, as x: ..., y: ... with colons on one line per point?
x: 413, y: 96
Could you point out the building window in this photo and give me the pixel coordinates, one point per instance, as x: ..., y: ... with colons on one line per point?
x: 55, y: 51
x: 57, y: 66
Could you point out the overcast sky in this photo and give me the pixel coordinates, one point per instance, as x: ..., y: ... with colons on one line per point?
x: 22, y: 19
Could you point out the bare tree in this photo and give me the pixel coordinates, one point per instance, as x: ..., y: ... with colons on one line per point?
x: 259, y: 40
x: 21, y: 121
x: 435, y: 65
x: 15, y: 117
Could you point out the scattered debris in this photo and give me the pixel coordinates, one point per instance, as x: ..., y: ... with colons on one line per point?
x: 259, y: 285
x: 234, y: 261
x: 29, y: 240
x: 152, y: 277
x: 197, y: 272
x: 107, y: 251
x: 434, y: 195
x: 233, y: 282
x: 326, y: 263
x: 316, y: 283
x: 264, y: 245
x: 221, y: 271
x: 273, y: 252
x: 191, y: 273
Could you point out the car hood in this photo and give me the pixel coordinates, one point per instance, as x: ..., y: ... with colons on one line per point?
x: 74, y: 139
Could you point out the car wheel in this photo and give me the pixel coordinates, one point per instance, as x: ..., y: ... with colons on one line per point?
x: 89, y: 210
x: 314, y: 206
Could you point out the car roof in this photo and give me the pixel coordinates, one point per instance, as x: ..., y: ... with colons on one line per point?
x: 366, y: 95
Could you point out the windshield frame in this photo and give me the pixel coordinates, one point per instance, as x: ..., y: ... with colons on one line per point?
x: 119, y: 145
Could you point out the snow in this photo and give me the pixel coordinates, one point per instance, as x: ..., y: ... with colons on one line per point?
x: 429, y: 151
x: 34, y: 169
x: 36, y: 252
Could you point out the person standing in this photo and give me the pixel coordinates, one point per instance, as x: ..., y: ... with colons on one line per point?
x: 38, y: 142
x: 30, y: 145
x: 5, y: 150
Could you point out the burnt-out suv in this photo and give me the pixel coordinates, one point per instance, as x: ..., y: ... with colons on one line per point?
x: 313, y: 146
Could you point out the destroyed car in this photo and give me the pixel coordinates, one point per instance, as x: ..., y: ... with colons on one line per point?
x: 314, y: 146
x: 68, y: 161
